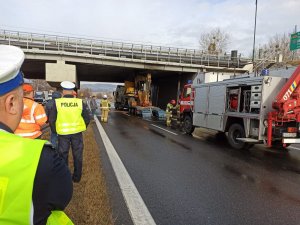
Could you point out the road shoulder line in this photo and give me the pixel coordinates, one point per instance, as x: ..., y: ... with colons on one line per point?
x: 138, y: 211
x: 163, y: 129
x: 295, y: 148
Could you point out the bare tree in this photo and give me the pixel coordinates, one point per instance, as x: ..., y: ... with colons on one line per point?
x: 41, y: 85
x: 110, y: 96
x: 85, y: 92
x: 99, y: 95
x: 214, y: 41
x: 279, y: 45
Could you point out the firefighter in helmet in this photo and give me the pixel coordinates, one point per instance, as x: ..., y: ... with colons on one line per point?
x: 171, y: 109
x: 104, y: 106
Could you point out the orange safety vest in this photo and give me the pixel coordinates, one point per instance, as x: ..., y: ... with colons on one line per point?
x: 33, y: 118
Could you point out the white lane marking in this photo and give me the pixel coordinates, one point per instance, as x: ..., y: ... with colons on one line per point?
x: 295, y: 148
x: 126, y: 114
x: 139, y: 212
x: 163, y: 129
x: 196, y: 136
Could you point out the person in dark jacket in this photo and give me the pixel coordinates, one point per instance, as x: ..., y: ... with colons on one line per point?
x: 49, y: 106
x: 93, y: 105
x: 36, y: 184
x: 69, y: 118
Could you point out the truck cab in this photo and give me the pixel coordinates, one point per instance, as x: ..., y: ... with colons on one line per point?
x: 119, y: 97
x: 39, y: 97
x: 186, y: 108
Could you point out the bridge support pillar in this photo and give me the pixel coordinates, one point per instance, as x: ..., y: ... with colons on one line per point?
x: 58, y: 72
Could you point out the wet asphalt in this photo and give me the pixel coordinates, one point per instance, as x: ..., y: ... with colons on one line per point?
x: 186, y: 180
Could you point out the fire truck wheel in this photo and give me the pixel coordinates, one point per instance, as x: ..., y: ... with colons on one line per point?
x: 236, y: 131
x: 188, y: 125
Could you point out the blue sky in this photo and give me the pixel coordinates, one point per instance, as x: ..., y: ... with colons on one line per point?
x: 175, y: 23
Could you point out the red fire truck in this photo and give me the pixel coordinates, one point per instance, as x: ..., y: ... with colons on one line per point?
x: 250, y: 110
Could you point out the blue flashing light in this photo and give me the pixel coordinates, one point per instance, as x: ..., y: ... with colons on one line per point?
x: 265, y: 72
x: 190, y: 82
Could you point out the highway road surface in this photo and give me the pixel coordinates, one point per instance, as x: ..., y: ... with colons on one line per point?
x: 186, y: 180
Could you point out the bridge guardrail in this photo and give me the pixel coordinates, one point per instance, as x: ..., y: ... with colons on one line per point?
x: 45, y: 42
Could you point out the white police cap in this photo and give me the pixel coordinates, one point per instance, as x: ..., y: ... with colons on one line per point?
x: 11, y: 60
x: 67, y: 85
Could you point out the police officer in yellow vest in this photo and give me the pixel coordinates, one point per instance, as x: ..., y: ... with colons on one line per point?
x: 35, y: 183
x: 104, y: 106
x: 69, y: 118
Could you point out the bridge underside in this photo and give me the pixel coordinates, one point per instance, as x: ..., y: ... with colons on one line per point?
x: 35, y: 69
x: 166, y: 82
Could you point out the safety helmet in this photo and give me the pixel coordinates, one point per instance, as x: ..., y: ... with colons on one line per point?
x: 105, y: 96
x: 173, y: 102
x: 27, y: 87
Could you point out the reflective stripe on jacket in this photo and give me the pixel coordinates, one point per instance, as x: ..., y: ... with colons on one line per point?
x: 170, y: 108
x: 69, y: 119
x: 104, y: 104
x: 33, y: 117
x: 19, y: 162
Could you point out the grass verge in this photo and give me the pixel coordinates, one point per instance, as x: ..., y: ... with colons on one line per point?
x: 90, y: 202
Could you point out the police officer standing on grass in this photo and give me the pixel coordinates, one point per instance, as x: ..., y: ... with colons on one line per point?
x: 35, y: 183
x: 69, y: 119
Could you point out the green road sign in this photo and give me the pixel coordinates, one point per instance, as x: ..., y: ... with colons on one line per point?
x: 295, y: 41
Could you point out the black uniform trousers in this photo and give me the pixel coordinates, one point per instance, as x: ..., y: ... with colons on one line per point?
x: 76, y: 142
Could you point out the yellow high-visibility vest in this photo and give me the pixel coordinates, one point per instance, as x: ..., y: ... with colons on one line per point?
x: 69, y: 119
x: 19, y: 160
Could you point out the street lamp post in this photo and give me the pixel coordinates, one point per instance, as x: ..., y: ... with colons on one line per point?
x: 253, y: 53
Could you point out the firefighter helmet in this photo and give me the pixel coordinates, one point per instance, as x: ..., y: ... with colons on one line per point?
x: 27, y: 87
x: 173, y: 102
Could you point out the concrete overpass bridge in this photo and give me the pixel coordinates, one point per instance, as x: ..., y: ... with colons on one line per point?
x: 56, y: 58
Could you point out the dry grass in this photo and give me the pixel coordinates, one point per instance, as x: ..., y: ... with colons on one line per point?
x: 90, y: 202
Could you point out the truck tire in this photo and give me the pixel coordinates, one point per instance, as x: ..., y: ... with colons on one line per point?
x: 236, y: 131
x: 188, y: 125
